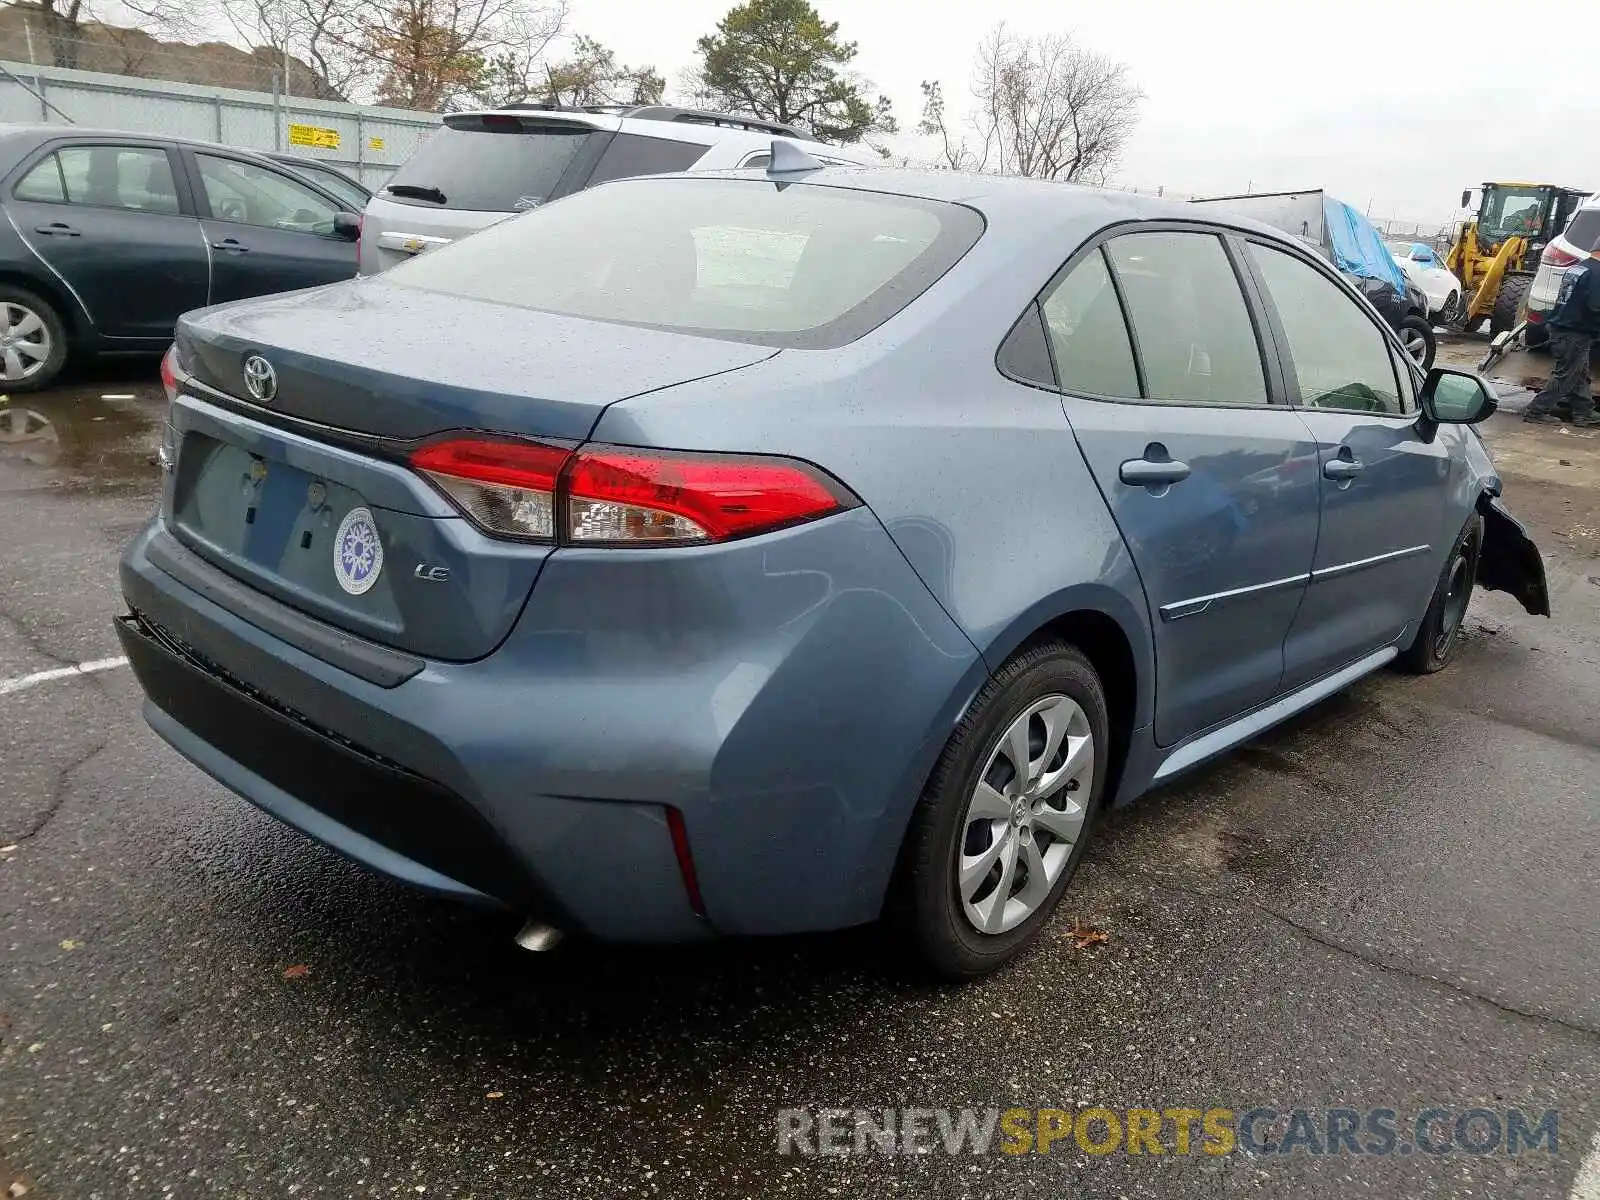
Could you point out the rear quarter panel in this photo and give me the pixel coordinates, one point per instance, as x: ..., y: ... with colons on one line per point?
x: 977, y: 479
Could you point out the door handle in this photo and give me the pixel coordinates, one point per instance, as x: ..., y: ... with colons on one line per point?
x: 1152, y: 473
x: 56, y: 229
x: 1343, y: 468
x: 231, y: 245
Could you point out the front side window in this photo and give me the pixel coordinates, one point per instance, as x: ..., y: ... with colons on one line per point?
x: 255, y: 195
x: 744, y: 259
x: 1088, y: 337
x: 1196, y: 341
x: 137, y: 178
x: 1340, y: 358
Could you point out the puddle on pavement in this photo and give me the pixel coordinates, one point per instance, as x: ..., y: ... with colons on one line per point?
x: 93, y: 436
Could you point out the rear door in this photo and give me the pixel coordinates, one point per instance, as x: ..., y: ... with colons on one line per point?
x: 266, y: 230
x: 1210, y: 477
x: 1384, y: 489
x: 113, y: 219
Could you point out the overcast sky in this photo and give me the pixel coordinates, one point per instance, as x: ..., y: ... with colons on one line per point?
x: 1399, y: 112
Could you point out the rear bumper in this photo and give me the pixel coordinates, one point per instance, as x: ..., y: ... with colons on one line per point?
x: 787, y: 695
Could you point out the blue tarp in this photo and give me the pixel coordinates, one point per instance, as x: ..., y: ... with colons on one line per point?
x: 1357, y: 246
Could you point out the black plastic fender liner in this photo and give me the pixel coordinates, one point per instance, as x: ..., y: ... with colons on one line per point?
x: 1510, y: 561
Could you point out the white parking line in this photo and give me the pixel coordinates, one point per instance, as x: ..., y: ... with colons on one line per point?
x: 23, y: 682
x: 1586, y: 1185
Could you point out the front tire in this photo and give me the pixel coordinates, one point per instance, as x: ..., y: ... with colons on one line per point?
x: 1509, y: 303
x: 1440, y: 632
x: 1416, y: 335
x: 1004, y: 818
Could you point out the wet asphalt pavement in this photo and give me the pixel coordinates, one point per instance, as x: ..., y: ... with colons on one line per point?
x: 1392, y: 902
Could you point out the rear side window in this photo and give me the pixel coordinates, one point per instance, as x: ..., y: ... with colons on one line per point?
x: 1584, y: 232
x: 629, y: 154
x: 497, y: 164
x: 1340, y: 358
x: 1088, y: 337
x: 1196, y: 340
x: 749, y: 260
x: 131, y: 177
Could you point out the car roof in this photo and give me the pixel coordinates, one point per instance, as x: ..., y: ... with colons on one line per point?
x: 1007, y: 197
x: 701, y: 126
x: 32, y: 135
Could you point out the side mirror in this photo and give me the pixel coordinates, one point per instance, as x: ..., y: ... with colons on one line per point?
x: 1452, y: 397
x: 346, y: 226
x: 1466, y: 197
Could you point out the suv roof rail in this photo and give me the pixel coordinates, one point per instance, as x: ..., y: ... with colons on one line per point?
x: 669, y: 112
x: 704, y: 116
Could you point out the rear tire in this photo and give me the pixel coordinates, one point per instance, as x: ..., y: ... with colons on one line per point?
x: 1416, y: 335
x: 33, y: 341
x: 989, y: 853
x: 1440, y: 631
x: 1508, y: 303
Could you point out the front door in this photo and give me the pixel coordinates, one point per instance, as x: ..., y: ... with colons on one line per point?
x: 1211, y: 482
x: 267, y: 232
x: 111, y: 221
x: 1384, y: 488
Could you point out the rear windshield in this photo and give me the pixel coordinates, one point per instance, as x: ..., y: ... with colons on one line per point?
x: 1584, y: 232
x: 777, y: 264
x: 494, y: 164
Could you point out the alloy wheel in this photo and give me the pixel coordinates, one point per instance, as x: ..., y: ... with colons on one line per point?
x: 1415, y: 345
x: 1025, y: 814
x: 25, y: 342
x: 1459, y: 591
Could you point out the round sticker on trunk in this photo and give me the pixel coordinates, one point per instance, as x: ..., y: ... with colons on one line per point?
x: 357, y: 552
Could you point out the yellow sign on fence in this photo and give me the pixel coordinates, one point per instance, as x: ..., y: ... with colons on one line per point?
x: 375, y: 143
x: 313, y: 135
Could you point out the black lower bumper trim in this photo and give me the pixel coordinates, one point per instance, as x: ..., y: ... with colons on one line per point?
x: 397, y: 808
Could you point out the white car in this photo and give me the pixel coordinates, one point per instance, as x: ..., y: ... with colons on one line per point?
x: 482, y: 167
x: 1422, y: 267
x: 1575, y: 243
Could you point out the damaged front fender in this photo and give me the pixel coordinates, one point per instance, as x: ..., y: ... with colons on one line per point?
x: 1510, y: 561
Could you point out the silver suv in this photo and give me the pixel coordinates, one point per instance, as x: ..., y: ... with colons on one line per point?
x: 481, y: 167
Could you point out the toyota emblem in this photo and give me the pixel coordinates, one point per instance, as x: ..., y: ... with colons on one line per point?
x: 260, y: 379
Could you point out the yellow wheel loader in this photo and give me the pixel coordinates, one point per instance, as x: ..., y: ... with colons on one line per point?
x: 1497, y: 252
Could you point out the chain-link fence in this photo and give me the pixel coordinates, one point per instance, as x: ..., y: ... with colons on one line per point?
x: 248, y: 109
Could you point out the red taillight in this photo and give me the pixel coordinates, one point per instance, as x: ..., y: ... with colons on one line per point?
x: 621, y: 496
x: 506, y: 487
x: 680, y: 847
x: 169, y: 372
x: 1535, y: 317
x: 618, y: 494
x: 1555, y: 256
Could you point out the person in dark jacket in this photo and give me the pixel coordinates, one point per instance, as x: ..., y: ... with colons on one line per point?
x: 1574, y: 325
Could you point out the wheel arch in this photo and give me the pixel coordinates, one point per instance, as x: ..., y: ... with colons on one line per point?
x: 50, y: 290
x: 1115, y: 637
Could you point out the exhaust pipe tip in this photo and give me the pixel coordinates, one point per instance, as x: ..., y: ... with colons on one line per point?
x: 537, y: 936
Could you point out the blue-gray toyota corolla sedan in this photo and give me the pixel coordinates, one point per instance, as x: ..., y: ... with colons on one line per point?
x: 784, y: 550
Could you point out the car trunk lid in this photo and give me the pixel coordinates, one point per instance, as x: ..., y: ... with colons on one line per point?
x: 305, y: 494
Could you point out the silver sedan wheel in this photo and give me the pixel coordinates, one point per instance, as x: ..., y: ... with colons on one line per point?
x: 24, y: 342
x: 1415, y: 345
x: 1025, y: 815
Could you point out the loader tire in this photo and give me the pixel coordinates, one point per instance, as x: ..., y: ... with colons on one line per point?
x: 1508, y: 303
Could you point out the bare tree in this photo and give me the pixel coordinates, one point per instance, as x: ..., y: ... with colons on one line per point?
x: 323, y: 34
x: 434, y: 53
x: 592, y: 75
x: 1043, y: 106
x: 1050, y: 108
x: 956, y: 155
